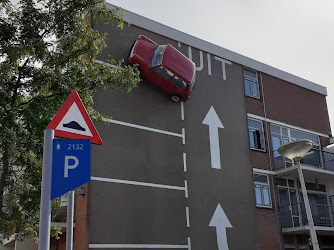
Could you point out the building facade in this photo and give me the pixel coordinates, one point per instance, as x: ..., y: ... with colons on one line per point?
x: 274, y: 106
x: 280, y: 112
x: 158, y: 182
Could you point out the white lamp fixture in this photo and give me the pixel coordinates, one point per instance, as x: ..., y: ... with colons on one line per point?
x: 296, y: 150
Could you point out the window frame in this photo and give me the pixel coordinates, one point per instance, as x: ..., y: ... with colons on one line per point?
x: 262, y: 185
x: 176, y: 78
x: 158, y: 70
x: 290, y: 138
x: 63, y: 200
x: 251, y: 80
x: 262, y: 137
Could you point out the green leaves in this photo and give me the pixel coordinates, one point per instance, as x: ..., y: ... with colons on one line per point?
x: 47, y: 50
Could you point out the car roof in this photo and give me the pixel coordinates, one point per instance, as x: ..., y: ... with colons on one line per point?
x: 178, y: 63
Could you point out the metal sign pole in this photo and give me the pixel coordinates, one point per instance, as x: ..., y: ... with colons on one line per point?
x: 70, y: 216
x: 45, y: 209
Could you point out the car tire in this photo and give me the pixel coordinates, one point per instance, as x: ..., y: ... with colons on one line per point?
x: 175, y: 98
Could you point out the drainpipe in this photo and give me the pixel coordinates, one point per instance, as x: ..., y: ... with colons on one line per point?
x: 271, y: 164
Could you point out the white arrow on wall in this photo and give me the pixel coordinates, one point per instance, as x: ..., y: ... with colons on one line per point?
x: 220, y: 222
x: 212, y: 120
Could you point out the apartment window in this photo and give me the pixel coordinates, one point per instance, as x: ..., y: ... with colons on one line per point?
x: 63, y: 200
x: 251, y: 84
x: 282, y: 135
x: 256, y: 137
x: 262, y: 193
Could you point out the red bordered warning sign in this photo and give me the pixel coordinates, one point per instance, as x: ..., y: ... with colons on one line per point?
x: 73, y: 122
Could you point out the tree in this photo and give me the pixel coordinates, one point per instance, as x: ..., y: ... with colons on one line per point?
x: 47, y: 50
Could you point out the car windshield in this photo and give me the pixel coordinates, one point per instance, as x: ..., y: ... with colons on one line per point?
x: 192, y: 84
x: 157, y: 55
x: 179, y: 82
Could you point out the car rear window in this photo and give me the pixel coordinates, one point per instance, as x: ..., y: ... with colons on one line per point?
x: 157, y: 55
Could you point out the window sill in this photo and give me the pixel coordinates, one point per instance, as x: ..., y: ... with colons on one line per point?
x: 259, y: 150
x: 254, y: 97
x: 261, y: 206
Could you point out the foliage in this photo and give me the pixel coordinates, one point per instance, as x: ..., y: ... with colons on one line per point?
x: 47, y: 50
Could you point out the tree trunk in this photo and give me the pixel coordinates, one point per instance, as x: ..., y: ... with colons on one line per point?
x: 4, y: 173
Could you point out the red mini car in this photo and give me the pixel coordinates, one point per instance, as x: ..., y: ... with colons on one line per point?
x: 164, y: 66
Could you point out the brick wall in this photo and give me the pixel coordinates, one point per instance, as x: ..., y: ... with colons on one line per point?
x: 295, y: 105
x: 268, y: 231
x: 254, y: 106
x: 81, y: 231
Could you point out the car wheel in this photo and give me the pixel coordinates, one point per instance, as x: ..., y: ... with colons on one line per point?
x: 175, y: 98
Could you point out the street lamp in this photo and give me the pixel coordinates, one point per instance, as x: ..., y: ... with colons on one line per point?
x: 296, y: 150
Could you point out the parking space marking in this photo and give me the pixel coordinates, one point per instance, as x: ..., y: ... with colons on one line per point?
x: 185, y: 170
x: 137, y: 183
x: 184, y: 162
x: 187, y: 216
x: 139, y: 246
x: 186, y: 188
x: 182, y: 111
x: 144, y: 128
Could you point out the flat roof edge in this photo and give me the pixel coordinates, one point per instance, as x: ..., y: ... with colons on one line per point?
x: 198, y: 43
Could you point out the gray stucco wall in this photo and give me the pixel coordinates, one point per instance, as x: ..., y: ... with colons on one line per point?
x: 178, y: 209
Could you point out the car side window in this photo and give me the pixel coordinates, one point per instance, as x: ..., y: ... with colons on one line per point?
x: 179, y: 82
x: 163, y: 72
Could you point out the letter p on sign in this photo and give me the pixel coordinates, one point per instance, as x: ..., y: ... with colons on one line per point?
x: 67, y: 165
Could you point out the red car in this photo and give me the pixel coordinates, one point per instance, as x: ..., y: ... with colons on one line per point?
x: 164, y: 66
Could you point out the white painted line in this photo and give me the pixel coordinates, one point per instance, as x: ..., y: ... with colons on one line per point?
x: 182, y: 111
x: 143, y: 127
x: 187, y: 216
x: 186, y: 188
x: 137, y: 183
x: 137, y: 246
x: 184, y: 162
x: 189, y: 244
x: 183, y: 136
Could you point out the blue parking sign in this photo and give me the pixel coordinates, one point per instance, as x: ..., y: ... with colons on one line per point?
x: 70, y: 165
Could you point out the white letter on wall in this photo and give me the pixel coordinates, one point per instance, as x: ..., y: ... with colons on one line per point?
x: 190, y: 56
x: 223, y: 65
x: 209, y: 63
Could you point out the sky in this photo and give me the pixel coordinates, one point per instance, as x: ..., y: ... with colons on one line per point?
x: 296, y: 36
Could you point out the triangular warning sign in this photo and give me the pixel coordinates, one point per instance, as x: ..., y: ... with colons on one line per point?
x: 73, y: 122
